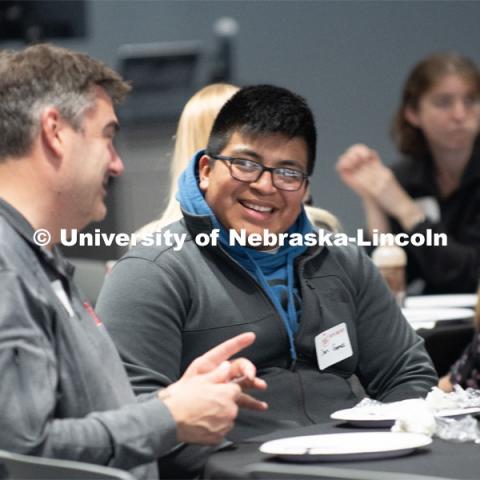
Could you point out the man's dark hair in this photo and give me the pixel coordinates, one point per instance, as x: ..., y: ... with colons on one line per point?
x: 262, y: 110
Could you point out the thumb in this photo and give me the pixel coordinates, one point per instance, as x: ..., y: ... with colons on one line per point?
x: 221, y: 374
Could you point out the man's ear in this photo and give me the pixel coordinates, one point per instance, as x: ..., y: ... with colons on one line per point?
x: 51, y: 130
x: 204, y: 170
x: 411, y: 116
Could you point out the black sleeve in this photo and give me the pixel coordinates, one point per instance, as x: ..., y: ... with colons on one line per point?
x: 449, y: 268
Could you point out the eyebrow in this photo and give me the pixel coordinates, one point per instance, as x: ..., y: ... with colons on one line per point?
x: 246, y: 151
x: 113, y: 125
x: 259, y: 158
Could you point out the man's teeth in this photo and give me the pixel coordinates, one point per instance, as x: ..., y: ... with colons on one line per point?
x: 258, y: 208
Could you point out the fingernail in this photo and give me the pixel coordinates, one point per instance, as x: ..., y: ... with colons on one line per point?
x: 238, y: 379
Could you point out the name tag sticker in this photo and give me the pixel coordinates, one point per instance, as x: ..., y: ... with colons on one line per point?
x: 333, y: 346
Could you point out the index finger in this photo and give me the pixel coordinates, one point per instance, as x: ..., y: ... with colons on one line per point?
x: 228, y: 348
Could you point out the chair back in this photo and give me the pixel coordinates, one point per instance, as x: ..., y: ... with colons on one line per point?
x: 14, y: 466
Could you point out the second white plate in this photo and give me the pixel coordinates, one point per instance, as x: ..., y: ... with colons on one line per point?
x: 345, y: 446
x: 435, y: 301
x: 426, y: 315
x: 383, y: 417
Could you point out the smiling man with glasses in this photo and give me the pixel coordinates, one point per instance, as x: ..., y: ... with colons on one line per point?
x: 260, y: 185
x: 323, y: 316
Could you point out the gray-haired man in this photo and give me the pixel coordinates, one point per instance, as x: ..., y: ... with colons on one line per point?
x: 64, y: 392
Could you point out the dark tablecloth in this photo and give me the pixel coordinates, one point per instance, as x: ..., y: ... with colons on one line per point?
x: 441, y: 459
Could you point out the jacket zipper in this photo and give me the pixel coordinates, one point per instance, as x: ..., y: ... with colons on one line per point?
x: 293, y: 361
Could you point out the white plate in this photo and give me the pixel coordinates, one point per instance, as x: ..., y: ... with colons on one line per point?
x: 383, y: 417
x: 375, y: 417
x: 449, y: 301
x: 421, y: 315
x: 457, y: 412
x: 345, y: 446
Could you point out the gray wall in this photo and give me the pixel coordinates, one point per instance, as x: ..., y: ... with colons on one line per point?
x: 348, y: 59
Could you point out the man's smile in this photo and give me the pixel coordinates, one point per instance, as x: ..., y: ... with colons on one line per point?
x: 256, y: 207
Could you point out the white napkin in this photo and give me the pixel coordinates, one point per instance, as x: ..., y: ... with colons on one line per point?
x: 414, y: 416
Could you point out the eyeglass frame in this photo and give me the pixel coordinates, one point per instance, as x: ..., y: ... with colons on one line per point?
x: 229, y: 161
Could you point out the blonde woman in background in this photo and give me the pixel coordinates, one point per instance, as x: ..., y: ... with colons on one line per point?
x: 192, y: 134
x: 319, y: 217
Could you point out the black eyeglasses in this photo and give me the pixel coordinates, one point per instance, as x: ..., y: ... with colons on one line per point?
x: 248, y: 171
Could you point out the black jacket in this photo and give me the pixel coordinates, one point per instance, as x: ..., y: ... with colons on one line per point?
x: 453, y: 268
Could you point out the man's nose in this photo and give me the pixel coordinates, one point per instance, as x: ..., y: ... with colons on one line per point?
x: 264, y: 182
x: 116, y: 165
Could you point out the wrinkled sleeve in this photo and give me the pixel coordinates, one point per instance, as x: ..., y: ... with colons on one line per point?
x: 125, y: 438
x: 144, y: 305
x: 393, y: 363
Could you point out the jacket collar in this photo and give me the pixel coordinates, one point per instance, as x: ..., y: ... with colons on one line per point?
x: 20, y: 224
x: 196, y: 224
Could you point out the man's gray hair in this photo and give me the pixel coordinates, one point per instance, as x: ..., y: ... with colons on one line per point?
x: 41, y: 76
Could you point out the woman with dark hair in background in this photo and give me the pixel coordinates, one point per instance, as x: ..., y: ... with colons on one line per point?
x: 436, y: 185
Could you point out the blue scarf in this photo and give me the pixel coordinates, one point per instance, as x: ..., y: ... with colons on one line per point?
x: 273, y: 271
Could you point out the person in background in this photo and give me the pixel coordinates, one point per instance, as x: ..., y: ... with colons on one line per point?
x: 323, y: 315
x: 436, y: 184
x: 64, y: 392
x: 192, y: 134
x: 466, y: 370
x: 319, y: 217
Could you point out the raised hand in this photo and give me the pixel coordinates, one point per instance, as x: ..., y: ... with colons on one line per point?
x: 242, y: 371
x: 362, y: 170
x: 204, y: 406
x: 205, y: 401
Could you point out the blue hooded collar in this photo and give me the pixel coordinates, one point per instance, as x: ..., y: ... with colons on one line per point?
x: 274, y: 272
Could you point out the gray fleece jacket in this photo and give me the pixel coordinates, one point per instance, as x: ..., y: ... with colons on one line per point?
x: 163, y: 308
x: 63, y: 390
